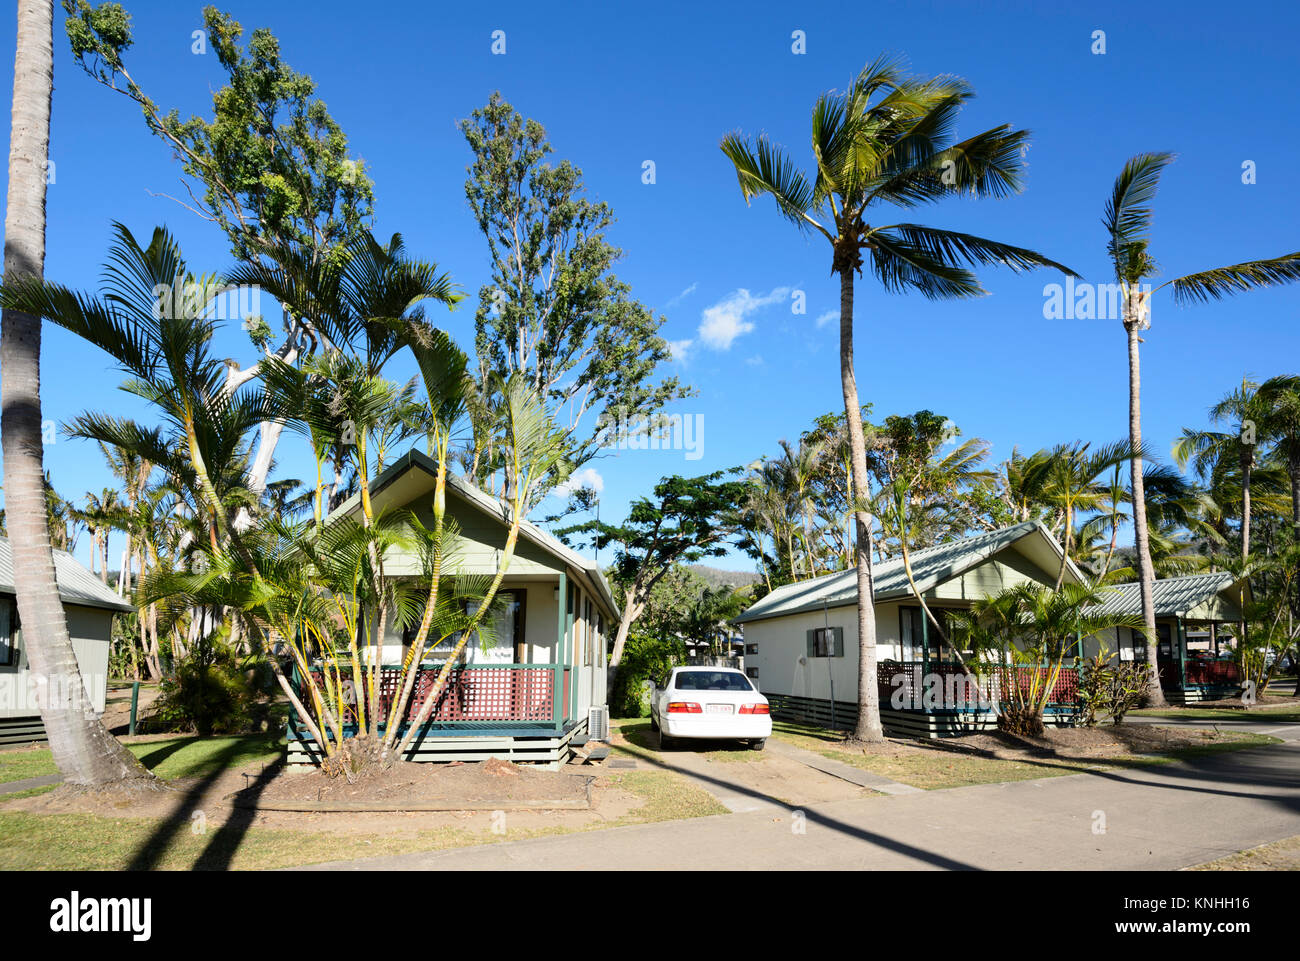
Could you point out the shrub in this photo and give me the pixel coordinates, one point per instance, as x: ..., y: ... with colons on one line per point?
x: 1111, y: 687
x: 211, y: 695
x: 645, y: 658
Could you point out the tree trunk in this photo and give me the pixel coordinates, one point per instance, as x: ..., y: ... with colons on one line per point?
x: 868, y: 728
x: 1155, y: 695
x: 84, y: 751
x: 1246, y: 466
x: 631, y: 611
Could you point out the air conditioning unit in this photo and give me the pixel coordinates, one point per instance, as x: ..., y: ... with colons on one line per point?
x: 598, y: 723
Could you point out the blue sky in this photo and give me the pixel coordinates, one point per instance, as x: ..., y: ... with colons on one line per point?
x: 619, y: 84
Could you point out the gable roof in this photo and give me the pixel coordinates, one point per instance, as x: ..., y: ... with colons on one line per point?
x: 930, y: 567
x: 1171, y: 596
x: 489, y: 505
x: 76, y: 584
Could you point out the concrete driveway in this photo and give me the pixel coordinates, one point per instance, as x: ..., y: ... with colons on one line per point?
x: 1161, y: 817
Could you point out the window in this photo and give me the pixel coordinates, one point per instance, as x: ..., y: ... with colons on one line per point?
x: 751, y: 648
x: 826, y: 642
x: 9, y: 633
x: 588, y: 633
x: 752, y: 671
x: 711, y: 681
x: 507, y: 627
x: 914, y: 640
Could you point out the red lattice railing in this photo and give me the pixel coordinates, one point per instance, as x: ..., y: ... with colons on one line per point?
x: 515, y: 693
x: 1216, y: 673
x: 958, y: 690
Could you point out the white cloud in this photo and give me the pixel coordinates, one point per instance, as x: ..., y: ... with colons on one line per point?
x: 826, y: 318
x: 584, y: 477
x: 755, y: 361
x: 726, y: 320
x: 680, y: 349
x: 683, y: 295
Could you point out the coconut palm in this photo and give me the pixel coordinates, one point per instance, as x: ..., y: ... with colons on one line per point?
x: 887, y: 141
x: 84, y: 751
x: 1128, y: 226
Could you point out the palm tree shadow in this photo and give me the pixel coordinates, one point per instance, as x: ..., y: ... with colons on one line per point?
x: 220, y: 852
x: 151, y: 852
x: 636, y: 747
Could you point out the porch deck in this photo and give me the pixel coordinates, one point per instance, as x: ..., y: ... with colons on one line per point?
x: 512, y: 711
x: 932, y: 699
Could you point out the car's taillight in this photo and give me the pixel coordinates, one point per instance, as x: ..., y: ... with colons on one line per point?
x: 754, y: 709
x: 684, y: 707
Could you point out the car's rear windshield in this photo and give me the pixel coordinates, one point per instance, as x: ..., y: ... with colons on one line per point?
x: 711, y: 681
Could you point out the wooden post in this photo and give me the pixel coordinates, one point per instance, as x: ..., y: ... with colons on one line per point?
x: 135, y: 703
x: 557, y: 692
x: 925, y: 658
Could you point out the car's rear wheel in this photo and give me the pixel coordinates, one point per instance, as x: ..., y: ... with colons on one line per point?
x: 654, y: 725
x: 758, y: 744
x: 665, y: 742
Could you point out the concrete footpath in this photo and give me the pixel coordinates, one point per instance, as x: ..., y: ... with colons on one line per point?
x: 1160, y: 817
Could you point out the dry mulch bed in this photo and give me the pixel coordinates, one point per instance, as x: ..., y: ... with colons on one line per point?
x: 454, y: 786
x: 1086, y: 742
x: 180, y: 798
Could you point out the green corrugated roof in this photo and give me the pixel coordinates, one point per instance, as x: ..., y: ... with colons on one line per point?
x: 930, y: 567
x: 1171, y: 596
x: 76, y: 584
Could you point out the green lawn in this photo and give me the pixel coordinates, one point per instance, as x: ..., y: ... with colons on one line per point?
x: 1283, y: 713
x: 172, y: 758
x: 936, y: 768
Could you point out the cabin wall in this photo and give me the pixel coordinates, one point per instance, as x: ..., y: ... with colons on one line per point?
x: 91, y: 631
x: 781, y: 655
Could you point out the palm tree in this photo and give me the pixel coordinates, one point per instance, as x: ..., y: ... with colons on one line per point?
x: 1280, y: 397
x: 84, y: 751
x: 1128, y: 224
x: 1073, y: 484
x: 922, y: 483
x: 1247, y: 413
x: 164, y: 345
x: 1023, y: 634
x: 887, y: 139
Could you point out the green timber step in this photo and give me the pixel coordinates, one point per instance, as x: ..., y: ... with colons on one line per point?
x: 22, y: 730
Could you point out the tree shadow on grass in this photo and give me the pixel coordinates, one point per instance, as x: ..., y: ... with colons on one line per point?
x: 152, y: 851
x: 165, y: 750
x: 220, y: 852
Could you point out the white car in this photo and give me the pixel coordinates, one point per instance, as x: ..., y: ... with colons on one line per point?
x: 710, y: 702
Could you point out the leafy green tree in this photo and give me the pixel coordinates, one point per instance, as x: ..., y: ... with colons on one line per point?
x: 270, y: 167
x: 686, y: 520
x: 554, y: 312
x: 887, y: 141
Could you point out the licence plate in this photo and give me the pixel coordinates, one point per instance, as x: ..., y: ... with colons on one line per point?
x: 720, y: 708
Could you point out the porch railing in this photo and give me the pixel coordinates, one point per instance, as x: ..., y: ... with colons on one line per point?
x: 475, y: 694
x: 1212, y: 673
x: 907, y: 683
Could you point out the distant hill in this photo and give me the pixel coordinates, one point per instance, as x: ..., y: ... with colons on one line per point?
x: 715, y: 577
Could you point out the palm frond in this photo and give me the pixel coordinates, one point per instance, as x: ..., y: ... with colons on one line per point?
x: 1225, y: 281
